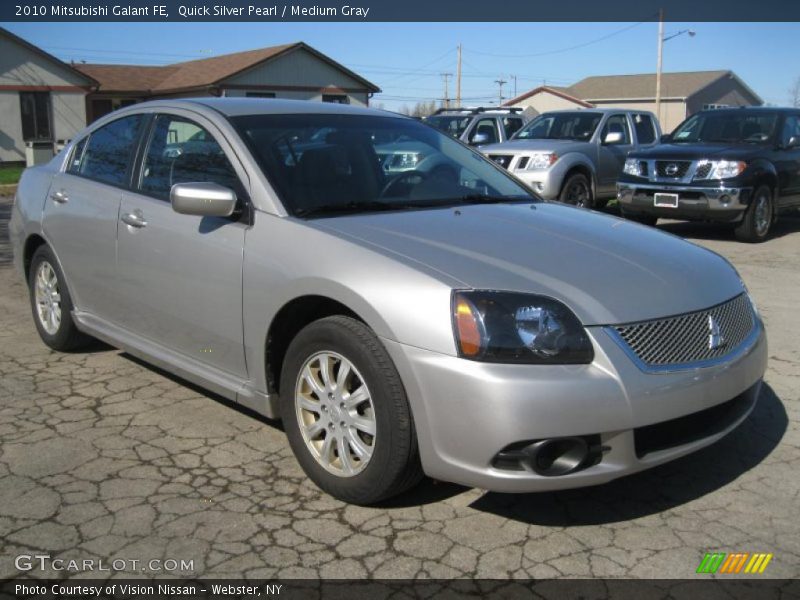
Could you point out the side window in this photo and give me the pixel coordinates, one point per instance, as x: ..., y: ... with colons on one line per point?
x: 645, y: 130
x: 488, y: 127
x: 109, y: 151
x: 181, y: 151
x: 791, y: 128
x: 617, y: 124
x: 74, y: 165
x: 512, y: 125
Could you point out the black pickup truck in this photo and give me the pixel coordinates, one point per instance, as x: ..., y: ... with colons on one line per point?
x: 738, y: 166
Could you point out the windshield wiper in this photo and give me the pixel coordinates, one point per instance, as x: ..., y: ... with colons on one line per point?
x: 490, y: 199
x: 349, y: 207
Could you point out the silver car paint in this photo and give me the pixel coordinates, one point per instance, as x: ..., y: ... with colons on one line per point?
x: 193, y: 313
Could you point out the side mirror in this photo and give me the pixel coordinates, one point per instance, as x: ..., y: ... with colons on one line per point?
x: 478, y: 139
x: 613, y: 137
x: 793, y: 142
x: 666, y: 138
x: 202, y: 199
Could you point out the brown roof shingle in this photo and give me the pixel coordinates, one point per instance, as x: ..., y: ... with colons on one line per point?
x: 619, y: 87
x: 193, y: 74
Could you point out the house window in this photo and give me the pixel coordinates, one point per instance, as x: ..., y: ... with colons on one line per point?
x: 336, y: 98
x: 260, y: 94
x: 36, y: 113
x: 715, y: 106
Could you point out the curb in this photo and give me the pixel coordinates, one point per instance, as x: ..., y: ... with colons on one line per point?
x: 8, y: 190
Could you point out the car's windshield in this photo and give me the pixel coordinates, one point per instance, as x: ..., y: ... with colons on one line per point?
x: 323, y: 164
x: 726, y: 127
x: 452, y: 125
x: 578, y: 125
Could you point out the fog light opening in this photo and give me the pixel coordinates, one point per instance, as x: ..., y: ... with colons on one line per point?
x: 559, y: 456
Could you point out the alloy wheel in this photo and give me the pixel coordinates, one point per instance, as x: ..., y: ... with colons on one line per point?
x: 48, y: 298
x: 762, y: 214
x: 335, y: 414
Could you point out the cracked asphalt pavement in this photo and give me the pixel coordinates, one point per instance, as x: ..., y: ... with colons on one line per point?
x: 104, y: 457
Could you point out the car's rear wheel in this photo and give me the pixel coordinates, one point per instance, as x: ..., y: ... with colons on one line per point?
x: 346, y: 414
x: 758, y: 217
x: 51, y: 303
x: 577, y: 190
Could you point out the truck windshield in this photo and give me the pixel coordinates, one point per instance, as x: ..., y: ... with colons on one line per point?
x: 332, y: 164
x: 578, y: 126
x: 726, y: 127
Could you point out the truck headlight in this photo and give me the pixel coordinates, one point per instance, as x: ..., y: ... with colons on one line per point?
x: 719, y: 169
x: 507, y: 327
x: 542, y: 160
x: 632, y: 167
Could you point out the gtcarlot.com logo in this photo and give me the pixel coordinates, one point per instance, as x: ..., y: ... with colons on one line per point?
x: 44, y: 562
x: 735, y: 563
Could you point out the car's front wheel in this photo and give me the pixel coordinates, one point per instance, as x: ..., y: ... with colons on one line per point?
x: 577, y: 190
x: 346, y: 414
x: 758, y: 218
x: 51, y: 303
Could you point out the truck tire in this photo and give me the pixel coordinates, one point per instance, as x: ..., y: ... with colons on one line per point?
x: 577, y: 191
x: 758, y: 217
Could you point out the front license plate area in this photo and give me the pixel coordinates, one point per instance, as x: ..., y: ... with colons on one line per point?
x: 665, y: 200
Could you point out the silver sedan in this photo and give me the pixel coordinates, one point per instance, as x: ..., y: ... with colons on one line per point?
x: 403, y: 312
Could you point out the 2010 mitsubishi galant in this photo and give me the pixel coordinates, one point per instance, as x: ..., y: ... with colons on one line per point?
x: 435, y: 319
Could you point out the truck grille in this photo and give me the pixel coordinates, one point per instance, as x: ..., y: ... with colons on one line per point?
x: 672, y: 168
x: 690, y: 338
x: 703, y: 169
x: 501, y: 159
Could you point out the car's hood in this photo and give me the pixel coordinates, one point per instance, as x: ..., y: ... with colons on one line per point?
x: 518, y: 146
x: 698, y: 151
x: 606, y: 269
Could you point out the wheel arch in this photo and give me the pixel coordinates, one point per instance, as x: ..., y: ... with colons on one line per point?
x: 584, y: 168
x: 32, y: 243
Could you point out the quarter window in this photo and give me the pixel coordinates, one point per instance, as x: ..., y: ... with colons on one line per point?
x: 181, y: 151
x: 108, y: 153
x: 645, y: 131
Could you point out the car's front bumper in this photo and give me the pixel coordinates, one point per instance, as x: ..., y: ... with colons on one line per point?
x: 695, y: 202
x: 466, y: 412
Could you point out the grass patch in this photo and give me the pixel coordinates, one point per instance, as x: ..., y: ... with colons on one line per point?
x: 10, y: 174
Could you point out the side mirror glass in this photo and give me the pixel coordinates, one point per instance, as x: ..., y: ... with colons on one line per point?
x: 613, y: 137
x: 479, y: 139
x: 202, y: 199
x: 793, y: 142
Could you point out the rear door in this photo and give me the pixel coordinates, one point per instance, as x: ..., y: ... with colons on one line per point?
x: 180, y: 276
x: 81, y: 211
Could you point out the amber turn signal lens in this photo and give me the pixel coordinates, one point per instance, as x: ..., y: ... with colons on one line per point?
x: 468, y: 326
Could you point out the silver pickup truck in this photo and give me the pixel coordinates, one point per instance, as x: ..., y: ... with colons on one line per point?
x: 576, y: 156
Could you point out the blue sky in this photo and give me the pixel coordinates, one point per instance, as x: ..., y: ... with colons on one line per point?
x: 406, y: 59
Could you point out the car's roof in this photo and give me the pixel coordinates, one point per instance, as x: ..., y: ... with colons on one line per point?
x: 747, y: 109
x: 260, y: 106
x: 603, y: 110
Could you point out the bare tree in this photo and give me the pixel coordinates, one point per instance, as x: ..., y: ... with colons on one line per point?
x: 794, y: 94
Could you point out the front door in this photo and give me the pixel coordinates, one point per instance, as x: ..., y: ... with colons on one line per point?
x: 787, y: 162
x: 612, y: 155
x: 180, y: 276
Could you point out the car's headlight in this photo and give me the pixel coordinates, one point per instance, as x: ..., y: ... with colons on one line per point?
x: 507, y: 327
x: 719, y: 169
x: 632, y: 167
x: 542, y: 160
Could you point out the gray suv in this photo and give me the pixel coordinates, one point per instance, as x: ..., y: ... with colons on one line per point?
x: 576, y: 156
x: 478, y: 126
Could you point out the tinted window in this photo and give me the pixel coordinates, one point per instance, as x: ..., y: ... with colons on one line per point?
x: 719, y: 126
x: 511, y: 125
x: 645, y: 130
x: 323, y: 164
x: 791, y: 128
x: 181, y: 151
x: 618, y: 124
x: 454, y: 126
x: 561, y: 126
x: 109, y: 151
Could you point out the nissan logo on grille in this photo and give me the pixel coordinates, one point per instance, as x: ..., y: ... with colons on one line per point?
x: 671, y: 169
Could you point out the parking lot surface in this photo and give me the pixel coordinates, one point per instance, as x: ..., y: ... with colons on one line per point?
x: 105, y: 458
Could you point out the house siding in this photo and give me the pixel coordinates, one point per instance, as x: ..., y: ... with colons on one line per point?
x: 545, y: 101
x: 724, y: 91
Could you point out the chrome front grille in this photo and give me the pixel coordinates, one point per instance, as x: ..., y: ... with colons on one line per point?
x: 691, y: 338
x: 672, y: 168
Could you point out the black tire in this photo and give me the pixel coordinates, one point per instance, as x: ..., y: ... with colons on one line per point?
x: 577, y: 191
x: 66, y: 336
x: 752, y: 228
x: 648, y: 220
x: 394, y: 465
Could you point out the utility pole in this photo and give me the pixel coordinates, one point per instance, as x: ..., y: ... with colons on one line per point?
x: 446, y: 99
x: 660, y: 62
x: 514, y: 79
x: 500, y: 83
x: 458, y: 78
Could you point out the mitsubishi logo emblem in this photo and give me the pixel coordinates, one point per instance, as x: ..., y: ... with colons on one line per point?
x: 671, y: 169
x: 715, y: 337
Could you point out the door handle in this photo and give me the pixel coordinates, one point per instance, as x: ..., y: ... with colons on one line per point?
x: 134, y: 219
x: 60, y: 197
